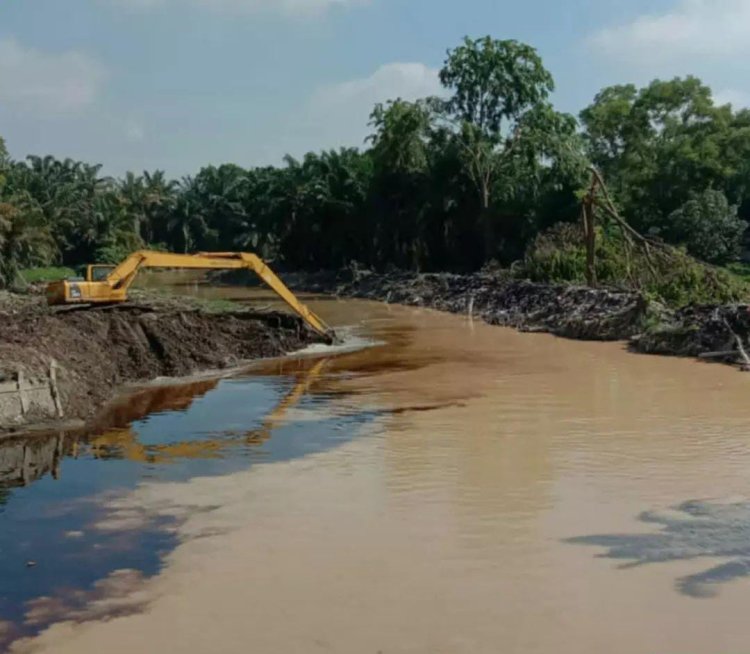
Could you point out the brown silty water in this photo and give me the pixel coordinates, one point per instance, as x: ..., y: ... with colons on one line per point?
x: 519, y: 493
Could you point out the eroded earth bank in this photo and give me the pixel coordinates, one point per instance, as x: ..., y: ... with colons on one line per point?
x: 67, y: 364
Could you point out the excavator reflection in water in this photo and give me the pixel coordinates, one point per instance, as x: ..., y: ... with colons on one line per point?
x: 123, y: 443
x: 26, y: 460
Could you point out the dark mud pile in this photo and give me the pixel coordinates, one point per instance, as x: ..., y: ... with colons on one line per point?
x: 569, y: 311
x: 98, y: 350
x: 698, y: 331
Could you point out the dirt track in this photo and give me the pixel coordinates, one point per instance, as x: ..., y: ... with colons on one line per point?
x: 98, y: 350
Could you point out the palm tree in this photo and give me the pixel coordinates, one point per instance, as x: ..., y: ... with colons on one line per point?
x: 187, y: 220
x: 222, y: 194
x: 25, y: 240
x: 133, y: 193
x: 160, y: 196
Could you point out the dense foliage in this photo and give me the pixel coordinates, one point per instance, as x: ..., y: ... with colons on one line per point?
x: 448, y: 183
x: 671, y: 275
x: 660, y: 146
x: 708, y: 226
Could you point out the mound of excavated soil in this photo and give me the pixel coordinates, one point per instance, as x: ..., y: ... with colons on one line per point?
x: 97, y: 350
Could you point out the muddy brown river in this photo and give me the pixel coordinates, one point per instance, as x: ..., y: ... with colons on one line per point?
x: 507, y: 492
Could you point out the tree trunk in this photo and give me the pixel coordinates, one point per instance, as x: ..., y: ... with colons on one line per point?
x: 590, y: 237
x: 488, y: 226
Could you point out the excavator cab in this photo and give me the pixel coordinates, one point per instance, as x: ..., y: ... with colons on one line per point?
x: 91, y: 289
x: 98, y: 272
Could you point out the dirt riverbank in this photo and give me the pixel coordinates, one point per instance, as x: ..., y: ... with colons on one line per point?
x: 569, y: 311
x: 68, y: 364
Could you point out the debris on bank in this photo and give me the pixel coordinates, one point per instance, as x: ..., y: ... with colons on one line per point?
x: 719, y: 332
x: 578, y: 312
x: 570, y: 311
x: 68, y: 363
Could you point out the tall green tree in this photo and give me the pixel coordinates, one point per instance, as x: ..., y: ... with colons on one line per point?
x: 160, y: 199
x: 320, y: 201
x: 497, y: 89
x: 661, y: 144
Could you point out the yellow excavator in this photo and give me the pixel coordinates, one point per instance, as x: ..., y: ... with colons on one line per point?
x: 108, y: 284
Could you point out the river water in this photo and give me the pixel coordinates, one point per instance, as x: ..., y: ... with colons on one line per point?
x: 453, y: 487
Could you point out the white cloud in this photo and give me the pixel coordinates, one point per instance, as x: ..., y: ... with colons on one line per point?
x: 45, y: 82
x: 694, y: 28
x: 288, y: 7
x: 137, y: 138
x: 338, y: 114
x: 407, y: 81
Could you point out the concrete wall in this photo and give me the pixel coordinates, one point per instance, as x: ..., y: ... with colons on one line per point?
x: 24, y: 400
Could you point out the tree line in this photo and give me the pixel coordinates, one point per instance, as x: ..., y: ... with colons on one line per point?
x: 453, y: 182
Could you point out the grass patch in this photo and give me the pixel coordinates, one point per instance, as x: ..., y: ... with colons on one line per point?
x: 51, y: 274
x: 740, y: 270
x: 167, y: 299
x: 220, y: 306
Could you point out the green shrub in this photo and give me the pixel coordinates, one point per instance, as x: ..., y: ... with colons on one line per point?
x: 49, y: 274
x: 556, y: 255
x: 669, y: 274
x: 694, y: 283
x: 708, y: 226
x: 740, y: 270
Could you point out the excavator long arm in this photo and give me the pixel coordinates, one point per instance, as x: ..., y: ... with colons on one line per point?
x: 123, y: 275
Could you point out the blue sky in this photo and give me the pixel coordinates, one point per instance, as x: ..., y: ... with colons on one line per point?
x: 177, y: 84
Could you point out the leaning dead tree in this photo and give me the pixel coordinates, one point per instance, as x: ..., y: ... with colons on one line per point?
x: 636, y: 247
x: 646, y: 262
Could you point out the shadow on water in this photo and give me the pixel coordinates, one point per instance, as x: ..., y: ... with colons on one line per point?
x: 56, y: 559
x: 690, y: 531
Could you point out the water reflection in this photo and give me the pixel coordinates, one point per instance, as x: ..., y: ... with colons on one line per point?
x: 23, y: 461
x: 125, y: 444
x: 55, y: 488
x: 691, y: 530
x: 26, y: 459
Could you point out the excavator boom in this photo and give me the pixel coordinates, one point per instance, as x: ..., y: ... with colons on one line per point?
x: 113, y: 288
